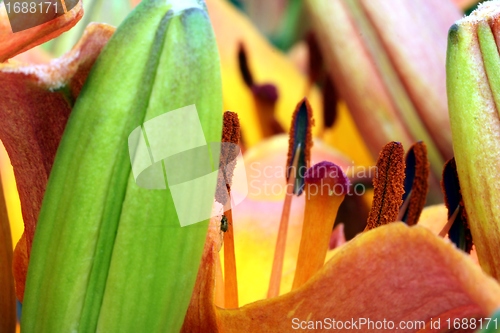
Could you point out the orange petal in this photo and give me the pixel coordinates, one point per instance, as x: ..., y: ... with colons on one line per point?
x: 35, y: 102
x: 393, y: 272
x: 33, y: 56
x: 20, y: 262
x: 12, y: 44
x: 465, y: 4
x: 201, y: 316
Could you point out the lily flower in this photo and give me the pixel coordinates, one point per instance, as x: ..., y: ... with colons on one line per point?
x: 403, y: 273
x: 42, y: 88
x: 262, y: 315
x: 364, y: 258
x: 439, y: 282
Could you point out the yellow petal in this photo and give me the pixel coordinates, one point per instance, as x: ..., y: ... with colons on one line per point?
x: 8, y: 300
x: 11, y: 196
x: 345, y: 136
x: 434, y: 218
x: 268, y: 66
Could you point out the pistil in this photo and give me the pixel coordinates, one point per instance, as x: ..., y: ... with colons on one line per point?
x: 325, y: 188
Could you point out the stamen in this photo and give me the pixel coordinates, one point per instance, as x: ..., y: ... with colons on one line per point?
x: 279, y: 252
x: 230, y: 281
x: 326, y: 186
x: 244, y: 68
x: 404, y: 207
x: 231, y: 128
x: 317, y: 73
x: 299, y: 156
x: 388, y: 186
x: 315, y: 63
x: 330, y: 102
x: 416, y: 183
x: 300, y: 133
x: 219, y: 283
x: 451, y: 220
x: 265, y: 97
x: 229, y: 151
x: 458, y: 230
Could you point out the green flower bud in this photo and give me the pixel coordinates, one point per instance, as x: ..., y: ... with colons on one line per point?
x: 110, y: 255
x: 473, y: 86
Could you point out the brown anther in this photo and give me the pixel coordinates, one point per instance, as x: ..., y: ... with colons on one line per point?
x: 330, y: 101
x: 231, y: 127
x: 388, y: 186
x: 420, y: 185
x: 468, y: 235
x: 244, y: 68
x: 315, y: 63
x: 458, y: 231
x: 306, y: 141
x: 229, y: 151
